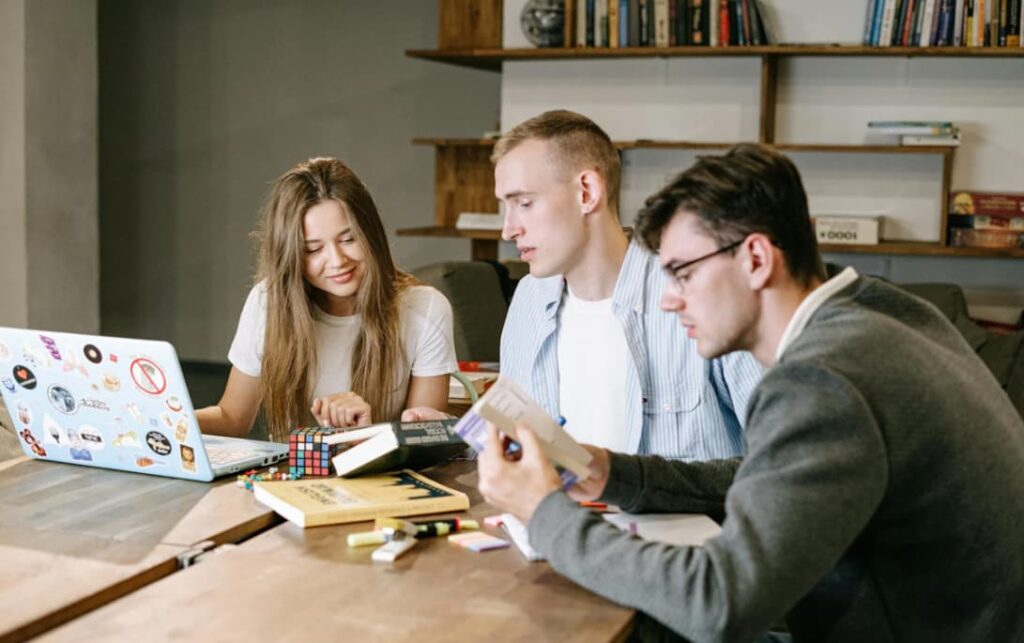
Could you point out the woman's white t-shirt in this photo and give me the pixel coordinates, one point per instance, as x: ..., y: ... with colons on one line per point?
x: 425, y: 318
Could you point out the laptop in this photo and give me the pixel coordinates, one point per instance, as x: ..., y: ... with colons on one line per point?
x: 113, y: 403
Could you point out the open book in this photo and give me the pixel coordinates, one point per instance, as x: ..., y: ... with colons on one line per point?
x: 505, y: 404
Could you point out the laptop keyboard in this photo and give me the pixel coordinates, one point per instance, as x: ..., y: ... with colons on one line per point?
x: 226, y: 455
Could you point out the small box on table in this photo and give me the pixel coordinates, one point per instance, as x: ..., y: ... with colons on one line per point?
x: 310, y: 450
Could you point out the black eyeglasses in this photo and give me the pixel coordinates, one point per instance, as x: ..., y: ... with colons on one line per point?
x: 673, y: 269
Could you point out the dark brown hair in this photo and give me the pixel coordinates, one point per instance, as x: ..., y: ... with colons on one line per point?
x: 749, y: 189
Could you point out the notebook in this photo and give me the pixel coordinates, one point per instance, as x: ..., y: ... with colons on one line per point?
x: 113, y: 403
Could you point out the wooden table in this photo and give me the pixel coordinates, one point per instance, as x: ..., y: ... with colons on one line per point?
x: 75, y: 538
x: 293, y: 584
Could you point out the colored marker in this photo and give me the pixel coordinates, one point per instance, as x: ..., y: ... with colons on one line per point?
x: 364, y: 538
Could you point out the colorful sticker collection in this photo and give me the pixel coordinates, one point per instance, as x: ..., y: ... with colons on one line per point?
x: 138, y: 439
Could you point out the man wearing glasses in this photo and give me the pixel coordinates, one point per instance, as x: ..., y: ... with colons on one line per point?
x: 882, y: 491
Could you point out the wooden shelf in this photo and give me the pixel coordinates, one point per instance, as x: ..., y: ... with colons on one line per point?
x: 440, y: 231
x: 709, y: 145
x: 491, y: 58
x: 921, y: 248
x: 884, y: 248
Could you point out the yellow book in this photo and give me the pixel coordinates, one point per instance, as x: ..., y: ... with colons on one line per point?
x: 325, y: 501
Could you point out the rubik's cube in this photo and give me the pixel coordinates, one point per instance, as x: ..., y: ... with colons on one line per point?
x: 308, y: 454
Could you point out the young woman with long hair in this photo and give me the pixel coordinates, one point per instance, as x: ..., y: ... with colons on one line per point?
x: 332, y: 332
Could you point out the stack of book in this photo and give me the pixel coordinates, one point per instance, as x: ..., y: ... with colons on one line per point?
x: 944, y: 23
x: 666, y: 23
x: 918, y: 132
x: 986, y: 219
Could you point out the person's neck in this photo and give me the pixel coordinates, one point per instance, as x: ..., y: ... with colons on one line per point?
x: 594, y: 276
x: 337, y: 306
x: 779, y: 304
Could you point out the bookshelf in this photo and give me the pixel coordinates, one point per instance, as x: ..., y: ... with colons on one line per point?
x: 464, y: 179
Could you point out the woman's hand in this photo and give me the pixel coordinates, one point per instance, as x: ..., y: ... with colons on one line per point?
x: 346, y: 410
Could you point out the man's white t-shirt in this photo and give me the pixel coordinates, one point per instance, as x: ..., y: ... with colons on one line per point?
x: 425, y: 317
x: 592, y: 358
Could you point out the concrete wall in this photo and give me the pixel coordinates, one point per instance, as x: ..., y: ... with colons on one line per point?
x: 820, y: 100
x: 13, y: 262
x: 203, y: 104
x: 48, y: 164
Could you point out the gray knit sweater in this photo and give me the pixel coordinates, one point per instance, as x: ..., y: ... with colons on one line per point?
x: 881, y: 498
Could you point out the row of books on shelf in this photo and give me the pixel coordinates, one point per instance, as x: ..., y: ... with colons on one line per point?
x: 665, y: 23
x: 917, y: 132
x: 976, y: 220
x: 944, y: 23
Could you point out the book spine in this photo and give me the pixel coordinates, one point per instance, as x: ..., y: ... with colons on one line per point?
x: 908, y: 21
x: 724, y: 32
x: 869, y: 20
x: 591, y: 14
x: 918, y: 28
x: 613, y: 23
x: 634, y: 23
x: 682, y: 22
x: 645, y: 22
x: 569, y: 30
x: 697, y: 22
x: 1013, y: 29
x: 958, y: 23
x: 746, y: 22
x: 946, y: 18
x: 661, y: 23
x: 581, y: 23
x: 624, y: 23
x: 888, y: 18
x: 673, y: 7
x: 602, y: 23
x: 876, y: 22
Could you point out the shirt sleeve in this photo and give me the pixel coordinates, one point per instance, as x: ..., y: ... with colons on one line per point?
x: 435, y: 349
x: 735, y: 376
x: 246, y: 352
x: 815, y: 474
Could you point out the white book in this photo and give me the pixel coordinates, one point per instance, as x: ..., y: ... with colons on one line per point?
x: 600, y: 23
x: 916, y: 140
x: 714, y: 40
x: 480, y: 221
x: 581, y: 23
x: 661, y: 25
x: 958, y: 23
x: 888, y: 18
x: 926, y: 24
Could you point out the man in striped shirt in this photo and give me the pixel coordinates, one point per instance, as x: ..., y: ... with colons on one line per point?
x: 584, y: 333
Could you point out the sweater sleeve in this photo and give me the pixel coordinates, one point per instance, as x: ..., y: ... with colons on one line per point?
x: 814, y: 475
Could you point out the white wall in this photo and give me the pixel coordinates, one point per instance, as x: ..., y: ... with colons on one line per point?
x: 48, y: 163
x: 204, y: 103
x: 820, y: 100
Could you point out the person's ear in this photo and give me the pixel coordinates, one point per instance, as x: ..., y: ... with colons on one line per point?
x: 591, y: 191
x: 761, y: 260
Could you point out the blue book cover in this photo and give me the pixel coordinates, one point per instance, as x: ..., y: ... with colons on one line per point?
x: 623, y: 23
x: 869, y: 21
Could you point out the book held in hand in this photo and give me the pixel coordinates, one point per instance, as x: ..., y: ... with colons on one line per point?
x: 396, y: 445
x: 505, y: 404
x: 325, y: 501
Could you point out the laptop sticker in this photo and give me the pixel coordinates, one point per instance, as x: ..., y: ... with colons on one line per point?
x: 25, y: 377
x: 174, y: 404
x: 158, y: 443
x: 91, y: 437
x: 188, y: 457
x: 5, y: 352
x: 52, y: 432
x: 93, y: 403
x: 181, y: 430
x: 92, y: 354
x: 126, y: 439
x: 76, y: 449
x: 62, y: 399
x: 24, y: 413
x: 32, y: 443
x: 111, y: 382
x: 8, y: 384
x: 148, y: 376
x: 51, y: 346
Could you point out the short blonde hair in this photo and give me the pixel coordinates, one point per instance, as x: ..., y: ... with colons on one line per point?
x: 577, y: 143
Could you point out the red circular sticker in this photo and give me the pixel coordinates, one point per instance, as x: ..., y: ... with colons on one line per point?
x: 148, y: 376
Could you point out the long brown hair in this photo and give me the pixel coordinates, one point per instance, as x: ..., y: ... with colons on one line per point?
x: 289, y: 365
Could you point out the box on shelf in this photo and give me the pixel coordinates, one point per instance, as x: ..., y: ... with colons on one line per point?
x: 993, y: 204
x: 848, y: 229
x: 974, y: 238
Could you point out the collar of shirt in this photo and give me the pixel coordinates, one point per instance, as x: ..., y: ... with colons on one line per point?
x: 810, y: 304
x: 629, y: 287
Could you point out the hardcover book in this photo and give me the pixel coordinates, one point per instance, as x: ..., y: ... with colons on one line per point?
x: 397, y: 445
x: 505, y: 404
x: 327, y: 501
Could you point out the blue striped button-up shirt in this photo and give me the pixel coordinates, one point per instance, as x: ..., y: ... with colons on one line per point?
x: 678, y: 405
